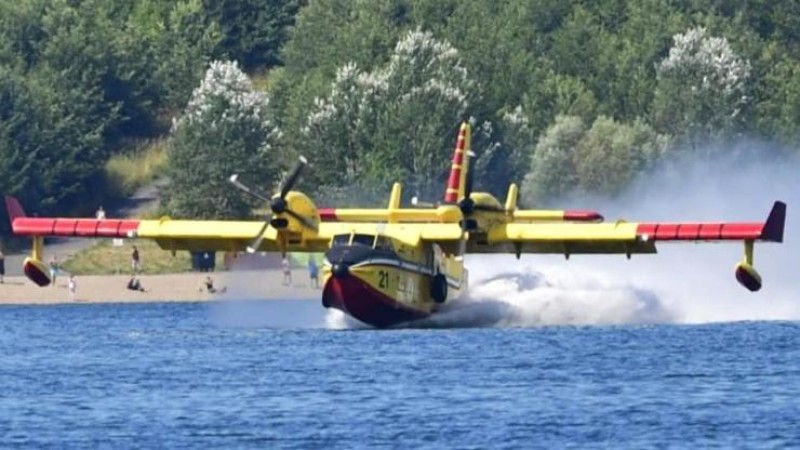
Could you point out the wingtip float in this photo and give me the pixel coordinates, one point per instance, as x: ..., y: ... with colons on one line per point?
x: 386, y: 266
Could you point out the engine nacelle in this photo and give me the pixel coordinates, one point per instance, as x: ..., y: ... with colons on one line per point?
x: 747, y: 276
x: 36, y: 271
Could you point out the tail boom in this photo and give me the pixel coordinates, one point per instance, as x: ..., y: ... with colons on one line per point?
x: 771, y: 230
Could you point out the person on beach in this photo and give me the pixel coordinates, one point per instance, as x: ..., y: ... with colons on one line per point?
x: 53, y: 264
x: 135, y: 285
x: 101, y: 213
x: 72, y: 287
x: 2, y: 266
x: 313, y: 272
x: 136, y: 263
x: 287, y: 272
x: 209, y: 286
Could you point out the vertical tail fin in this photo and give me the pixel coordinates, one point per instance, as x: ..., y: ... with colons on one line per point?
x: 14, y: 208
x: 458, y: 169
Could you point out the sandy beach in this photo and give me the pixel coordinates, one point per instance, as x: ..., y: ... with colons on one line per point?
x: 184, y: 287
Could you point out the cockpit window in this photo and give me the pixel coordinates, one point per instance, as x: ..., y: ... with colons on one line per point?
x: 340, y: 239
x: 364, y: 239
x: 384, y: 243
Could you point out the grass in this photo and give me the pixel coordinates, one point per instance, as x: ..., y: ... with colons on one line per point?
x: 107, y: 259
x: 130, y: 170
x: 126, y: 172
x: 261, y: 80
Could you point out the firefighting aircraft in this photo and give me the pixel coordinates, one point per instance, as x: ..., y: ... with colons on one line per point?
x: 393, y: 265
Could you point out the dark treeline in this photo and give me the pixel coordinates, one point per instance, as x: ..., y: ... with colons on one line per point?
x: 567, y: 96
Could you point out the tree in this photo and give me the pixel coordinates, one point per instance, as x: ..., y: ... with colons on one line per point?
x: 611, y: 154
x: 570, y: 159
x: 223, y: 130
x: 398, y: 122
x: 253, y: 31
x: 552, y: 169
x: 701, y: 88
x: 184, y: 50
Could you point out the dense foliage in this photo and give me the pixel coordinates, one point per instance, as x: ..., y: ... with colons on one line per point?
x: 223, y: 130
x: 569, y: 96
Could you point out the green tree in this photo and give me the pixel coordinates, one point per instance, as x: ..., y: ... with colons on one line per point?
x: 253, y: 31
x: 223, y: 130
x: 702, y: 88
x: 396, y: 123
x: 610, y: 155
x: 552, y: 168
x: 184, y: 51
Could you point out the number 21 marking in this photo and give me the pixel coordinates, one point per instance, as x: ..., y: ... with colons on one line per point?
x: 383, y: 279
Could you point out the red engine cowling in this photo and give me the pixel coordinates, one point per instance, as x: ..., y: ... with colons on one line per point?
x: 36, y: 271
x: 747, y: 276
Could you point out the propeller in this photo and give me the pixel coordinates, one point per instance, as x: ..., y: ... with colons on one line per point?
x: 467, y: 204
x: 277, y: 204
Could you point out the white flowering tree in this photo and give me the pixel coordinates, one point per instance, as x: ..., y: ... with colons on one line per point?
x: 396, y: 123
x: 503, y: 152
x: 223, y: 130
x: 701, y: 88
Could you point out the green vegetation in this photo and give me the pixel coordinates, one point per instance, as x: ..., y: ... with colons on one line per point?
x: 107, y: 259
x: 567, y: 96
x: 126, y: 172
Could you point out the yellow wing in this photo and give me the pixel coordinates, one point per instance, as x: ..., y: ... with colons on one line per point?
x: 620, y: 237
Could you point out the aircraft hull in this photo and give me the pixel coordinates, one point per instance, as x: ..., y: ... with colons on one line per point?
x: 362, y: 301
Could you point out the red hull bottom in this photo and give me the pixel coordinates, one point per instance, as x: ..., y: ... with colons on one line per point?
x: 363, y: 302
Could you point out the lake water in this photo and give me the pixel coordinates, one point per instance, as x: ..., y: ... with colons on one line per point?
x: 275, y: 374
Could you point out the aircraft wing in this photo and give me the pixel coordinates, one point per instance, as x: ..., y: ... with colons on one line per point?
x: 620, y: 237
x: 219, y: 235
x: 558, y: 238
x: 604, y: 238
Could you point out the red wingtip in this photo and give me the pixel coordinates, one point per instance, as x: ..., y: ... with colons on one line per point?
x: 773, y: 227
x: 14, y: 208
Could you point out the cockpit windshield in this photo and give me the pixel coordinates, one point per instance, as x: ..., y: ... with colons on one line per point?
x: 367, y: 240
x: 340, y: 239
x: 384, y: 243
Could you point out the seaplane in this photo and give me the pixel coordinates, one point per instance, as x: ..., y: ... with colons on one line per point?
x: 393, y: 265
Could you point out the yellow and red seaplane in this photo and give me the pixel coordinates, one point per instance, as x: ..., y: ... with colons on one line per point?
x: 396, y: 264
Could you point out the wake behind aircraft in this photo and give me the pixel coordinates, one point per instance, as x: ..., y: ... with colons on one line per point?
x: 388, y: 266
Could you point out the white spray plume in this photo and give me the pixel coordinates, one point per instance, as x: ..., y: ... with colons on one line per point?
x: 683, y: 283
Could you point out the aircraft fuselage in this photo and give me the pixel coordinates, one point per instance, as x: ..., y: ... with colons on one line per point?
x: 383, y: 286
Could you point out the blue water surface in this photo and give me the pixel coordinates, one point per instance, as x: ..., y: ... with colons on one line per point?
x: 208, y: 375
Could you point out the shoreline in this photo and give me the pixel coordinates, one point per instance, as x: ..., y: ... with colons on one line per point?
x: 181, y: 287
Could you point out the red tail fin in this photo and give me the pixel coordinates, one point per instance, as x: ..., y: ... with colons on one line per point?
x: 14, y: 208
x: 459, y: 166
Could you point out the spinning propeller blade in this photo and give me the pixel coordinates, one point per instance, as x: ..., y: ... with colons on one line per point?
x: 466, y: 204
x: 253, y: 247
x: 277, y: 204
x: 234, y: 179
x: 294, y: 176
